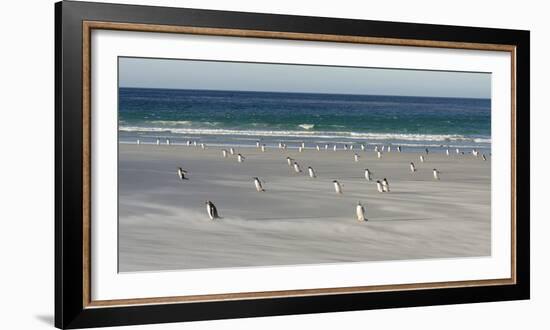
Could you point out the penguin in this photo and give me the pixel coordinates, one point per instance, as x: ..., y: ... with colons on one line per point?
x: 263, y: 147
x: 280, y: 145
x: 383, y: 148
x: 182, y: 173
x: 326, y: 146
x: 351, y: 147
x: 167, y: 142
x: 385, y: 185
x: 188, y: 143
x: 194, y: 143
x: 203, y: 146
x: 376, y: 148
x: 457, y: 151
x: 240, y: 158
x: 447, y: 152
x: 413, y: 169
x: 337, y: 186
x: 303, y: 145
x: 360, y: 212
x: 379, y: 155
x: 345, y: 147
x: 212, y: 210
x: 335, y: 147
x: 300, y: 149
x: 318, y: 148
x: 284, y: 146
x: 257, y: 144
x: 311, y: 172
x: 368, y: 174
x: 356, y: 157
x: 483, y: 157
x: 158, y: 142
x: 421, y: 159
x: 389, y: 148
x: 289, y: 161
x: 362, y: 147
x: 398, y: 148
x: 138, y: 141
x: 436, y: 174
x: 379, y: 186
x: 427, y: 151
x: 258, y: 185
x: 224, y: 153
x: 232, y: 150
x: 297, y: 168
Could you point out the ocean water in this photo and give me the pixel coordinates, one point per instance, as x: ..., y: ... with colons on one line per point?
x: 242, y: 118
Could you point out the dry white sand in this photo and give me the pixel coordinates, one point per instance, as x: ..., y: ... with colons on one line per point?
x: 163, y: 223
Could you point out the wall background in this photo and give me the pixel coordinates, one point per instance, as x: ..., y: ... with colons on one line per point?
x: 27, y: 168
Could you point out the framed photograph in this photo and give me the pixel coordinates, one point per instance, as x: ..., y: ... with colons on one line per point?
x: 215, y: 164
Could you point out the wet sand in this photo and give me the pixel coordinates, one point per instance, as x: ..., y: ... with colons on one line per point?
x: 163, y: 224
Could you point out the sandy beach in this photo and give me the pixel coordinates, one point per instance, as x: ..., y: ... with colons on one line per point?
x: 163, y: 224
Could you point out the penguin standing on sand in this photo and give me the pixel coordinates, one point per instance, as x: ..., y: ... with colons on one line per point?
x: 356, y: 157
x: 257, y: 144
x: 240, y: 158
x: 457, y: 151
x: 389, y: 148
x: 300, y: 149
x: 337, y: 186
x: 182, y: 173
x: 311, y: 172
x: 360, y: 212
x: 158, y: 142
x: 483, y: 157
x: 436, y: 174
x: 427, y: 151
x: 232, y: 150
x: 263, y: 148
x: 421, y: 159
x: 224, y: 153
x: 362, y: 147
x: 167, y: 142
x: 138, y: 141
x: 194, y: 143
x: 368, y: 174
x: 335, y: 147
x: 303, y: 145
x: 398, y: 148
x: 376, y: 148
x: 413, y: 169
x: 318, y: 148
x: 212, y: 210
x: 258, y: 185
x: 203, y: 146
x: 379, y: 186
x: 188, y: 143
x: 326, y: 146
x: 447, y: 152
x: 297, y: 168
x: 345, y: 147
x: 379, y: 155
x: 385, y: 185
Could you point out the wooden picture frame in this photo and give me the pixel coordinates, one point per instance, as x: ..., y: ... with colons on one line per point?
x: 74, y: 306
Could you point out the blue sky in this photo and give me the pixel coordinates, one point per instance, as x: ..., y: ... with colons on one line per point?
x: 191, y: 74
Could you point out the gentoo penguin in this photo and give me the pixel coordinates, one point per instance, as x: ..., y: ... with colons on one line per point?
x: 158, y: 142
x: 263, y: 148
x: 335, y: 147
x: 389, y: 148
x: 337, y: 186
x: 345, y: 147
x: 297, y: 168
x: 383, y: 148
x: 326, y: 146
x: 421, y: 159
x: 362, y: 147
x: 300, y: 149
x: 413, y: 169
x: 258, y: 185
x: 280, y: 145
x: 284, y: 146
x: 203, y: 146
x: 368, y: 174
x: 138, y: 141
x: 360, y: 211
x: 212, y: 210
x: 289, y: 161
x: 182, y: 173
x: 398, y: 148
x: 436, y: 174
x: 379, y: 186
x: 483, y: 157
x: 351, y: 147
x: 318, y: 148
x: 224, y: 153
x: 240, y: 158
x: 356, y: 157
x: 447, y: 152
x: 385, y: 185
x: 376, y: 148
x: 311, y: 172
x: 457, y: 151
x: 188, y: 143
x: 232, y: 150
x: 303, y: 145
x: 167, y: 142
x: 257, y: 144
x: 427, y: 151
x: 194, y: 143
x: 379, y: 154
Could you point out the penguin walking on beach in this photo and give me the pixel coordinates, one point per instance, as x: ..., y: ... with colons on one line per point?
x: 351, y: 147
x: 360, y: 212
x: 240, y: 158
x: 300, y: 149
x: 376, y: 148
x: 263, y: 148
x: 326, y: 146
x: 362, y: 147
x: 188, y: 143
x: 436, y: 174
x: 385, y: 185
x: 356, y: 157
x: 457, y: 151
x: 297, y: 168
x: 318, y: 148
x: 389, y: 148
x: 224, y: 153
x: 345, y: 147
x: 138, y: 141
x: 232, y: 150
x: 258, y: 185
x: 379, y: 186
x: 212, y: 210
x: 427, y: 151
x: 289, y: 161
x: 421, y: 159
x: 182, y: 173
x: 398, y: 148
x: 335, y: 147
x: 203, y: 146
x: 303, y: 144
x: 447, y: 152
x: 337, y: 186
x: 483, y: 157
x: 311, y: 172
x: 368, y: 174
x: 158, y: 142
x: 194, y: 143
x: 413, y: 168
x: 258, y: 144
x: 167, y: 142
x: 379, y: 155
